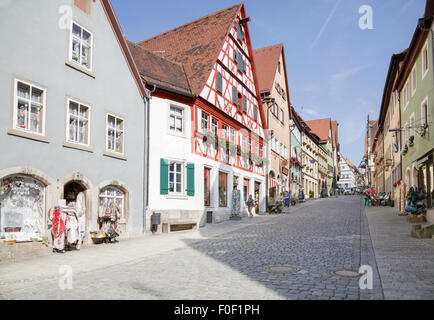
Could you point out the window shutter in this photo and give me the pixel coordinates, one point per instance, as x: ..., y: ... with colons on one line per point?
x: 234, y: 95
x: 235, y: 56
x: 255, y: 110
x: 244, y: 104
x: 164, y: 176
x: 219, y: 82
x: 240, y: 63
x: 190, y: 179
x: 240, y: 33
x: 244, y: 66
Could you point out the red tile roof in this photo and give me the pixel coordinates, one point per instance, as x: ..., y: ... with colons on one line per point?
x: 157, y: 70
x: 321, y: 128
x: 195, y: 45
x: 266, y: 60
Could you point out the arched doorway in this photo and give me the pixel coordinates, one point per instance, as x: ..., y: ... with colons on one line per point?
x: 71, y: 191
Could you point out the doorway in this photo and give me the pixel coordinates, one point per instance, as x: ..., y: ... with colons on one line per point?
x: 70, y: 192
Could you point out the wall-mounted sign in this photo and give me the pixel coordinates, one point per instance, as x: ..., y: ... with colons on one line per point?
x: 285, y: 171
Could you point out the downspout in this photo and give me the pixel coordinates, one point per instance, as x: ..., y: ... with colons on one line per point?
x: 146, y: 102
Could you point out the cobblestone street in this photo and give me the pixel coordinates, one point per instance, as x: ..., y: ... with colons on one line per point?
x: 232, y: 260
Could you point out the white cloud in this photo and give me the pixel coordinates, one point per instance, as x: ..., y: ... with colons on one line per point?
x: 332, y: 13
x: 348, y: 73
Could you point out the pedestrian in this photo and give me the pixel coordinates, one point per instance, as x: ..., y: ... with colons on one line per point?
x: 250, y: 205
x: 367, y: 198
x: 287, y: 199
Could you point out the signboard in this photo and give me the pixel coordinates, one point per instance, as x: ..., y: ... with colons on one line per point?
x: 285, y: 171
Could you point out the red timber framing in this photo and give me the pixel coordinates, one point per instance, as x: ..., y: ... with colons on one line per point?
x: 233, y: 68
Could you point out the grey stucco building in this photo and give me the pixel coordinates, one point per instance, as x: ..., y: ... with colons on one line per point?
x: 72, y: 116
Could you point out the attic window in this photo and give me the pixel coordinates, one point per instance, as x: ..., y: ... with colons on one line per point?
x: 278, y: 67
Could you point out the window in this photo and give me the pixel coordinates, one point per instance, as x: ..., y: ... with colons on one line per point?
x: 29, y: 108
x: 234, y: 96
x: 406, y: 134
x: 240, y: 33
x: 424, y: 113
x: 233, y: 136
x: 413, y: 82
x: 78, y: 123
x: 112, y: 195
x: 255, y: 113
x: 176, y: 177
x: 244, y: 143
x: 235, y: 56
x: 412, y: 125
x: 115, y: 134
x: 278, y: 67
x: 207, y: 187
x: 81, y: 46
x: 224, y: 132
x: 219, y: 82
x: 406, y: 96
x: 240, y: 62
x: 204, y: 125
x: 176, y: 119
x: 281, y: 115
x: 425, y: 63
x: 214, y: 126
x: 223, y: 185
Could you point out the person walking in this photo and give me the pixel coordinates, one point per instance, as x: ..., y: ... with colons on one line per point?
x: 367, y: 196
x: 250, y: 205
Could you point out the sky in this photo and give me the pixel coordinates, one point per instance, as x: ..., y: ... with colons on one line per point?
x: 335, y: 69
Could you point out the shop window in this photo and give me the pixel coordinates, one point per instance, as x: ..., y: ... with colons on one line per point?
x: 176, y: 177
x: 223, y: 185
x: 207, y: 187
x: 22, y: 208
x: 111, y: 196
x: 176, y: 120
x: 29, y: 108
x: 78, y: 123
x: 204, y: 124
x: 81, y: 46
x: 115, y: 134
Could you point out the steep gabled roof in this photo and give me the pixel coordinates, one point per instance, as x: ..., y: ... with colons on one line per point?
x: 321, y: 128
x: 266, y: 60
x: 114, y: 23
x: 195, y: 45
x: 157, y: 70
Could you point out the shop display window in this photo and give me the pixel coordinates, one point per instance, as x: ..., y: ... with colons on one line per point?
x: 110, y: 195
x: 223, y: 189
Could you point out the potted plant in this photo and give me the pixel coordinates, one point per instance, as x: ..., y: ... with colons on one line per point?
x: 411, y: 141
x: 405, y: 150
x: 293, y: 202
x: 311, y: 194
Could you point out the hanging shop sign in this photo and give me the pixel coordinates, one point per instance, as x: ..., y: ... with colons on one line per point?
x: 22, y: 203
x: 285, y: 171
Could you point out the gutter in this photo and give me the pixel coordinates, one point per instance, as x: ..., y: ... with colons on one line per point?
x: 159, y: 86
x: 146, y: 102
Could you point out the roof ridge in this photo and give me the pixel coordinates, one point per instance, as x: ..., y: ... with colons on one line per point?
x: 191, y: 22
x: 271, y: 46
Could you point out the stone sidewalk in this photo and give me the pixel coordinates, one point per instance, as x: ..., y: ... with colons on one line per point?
x: 406, y: 264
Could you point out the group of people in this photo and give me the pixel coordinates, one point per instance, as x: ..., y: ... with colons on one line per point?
x: 371, y: 197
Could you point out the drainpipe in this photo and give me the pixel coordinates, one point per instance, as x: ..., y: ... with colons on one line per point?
x: 146, y: 102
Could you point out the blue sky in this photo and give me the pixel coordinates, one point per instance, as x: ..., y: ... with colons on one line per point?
x: 335, y: 69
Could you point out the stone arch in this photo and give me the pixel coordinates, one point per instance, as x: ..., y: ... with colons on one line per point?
x: 125, y: 189
x: 79, y: 178
x: 30, y: 172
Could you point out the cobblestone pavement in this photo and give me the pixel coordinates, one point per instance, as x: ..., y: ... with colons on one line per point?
x: 224, y: 261
x: 406, y: 264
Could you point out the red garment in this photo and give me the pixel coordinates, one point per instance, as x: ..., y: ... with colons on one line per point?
x: 59, y: 225
x: 372, y: 191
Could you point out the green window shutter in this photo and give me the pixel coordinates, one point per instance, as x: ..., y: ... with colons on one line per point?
x: 234, y: 95
x: 219, y: 82
x: 240, y: 63
x: 190, y: 179
x: 235, y: 56
x: 240, y: 33
x: 164, y: 176
x: 255, y: 110
x: 244, y: 66
x: 244, y: 104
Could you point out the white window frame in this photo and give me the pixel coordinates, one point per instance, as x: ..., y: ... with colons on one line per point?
x: 204, y: 130
x: 114, y: 197
x: 183, y: 177
x: 68, y: 101
x: 184, y: 117
x: 425, y: 72
x: 422, y: 120
x: 413, y: 81
x: 406, y: 95
x: 71, y: 38
x: 29, y: 101
x: 115, y: 131
x: 412, y: 124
